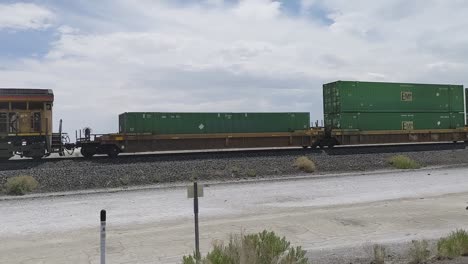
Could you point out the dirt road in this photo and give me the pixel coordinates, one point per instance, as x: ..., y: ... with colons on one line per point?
x: 155, y: 226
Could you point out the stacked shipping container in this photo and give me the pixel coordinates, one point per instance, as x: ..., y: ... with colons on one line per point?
x: 160, y: 123
x: 350, y: 105
x: 466, y: 108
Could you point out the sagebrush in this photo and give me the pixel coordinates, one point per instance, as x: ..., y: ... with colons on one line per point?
x: 305, y: 164
x: 252, y: 173
x: 379, y: 254
x: 404, y: 162
x: 419, y: 252
x: 20, y: 185
x: 262, y: 248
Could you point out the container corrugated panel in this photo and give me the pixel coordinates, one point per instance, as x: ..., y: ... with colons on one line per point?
x: 394, y: 121
x: 466, y: 106
x: 211, y: 123
x: 350, y: 96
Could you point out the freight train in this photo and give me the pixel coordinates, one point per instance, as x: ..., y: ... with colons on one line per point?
x: 354, y: 113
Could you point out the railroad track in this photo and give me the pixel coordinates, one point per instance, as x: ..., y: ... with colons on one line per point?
x: 226, y: 154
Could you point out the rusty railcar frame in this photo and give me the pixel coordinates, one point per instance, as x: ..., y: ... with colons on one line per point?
x: 399, y: 136
x: 113, y: 144
x: 147, y: 143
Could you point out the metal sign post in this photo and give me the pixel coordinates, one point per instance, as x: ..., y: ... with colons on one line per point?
x: 195, y: 192
x: 195, y: 211
x: 103, y: 236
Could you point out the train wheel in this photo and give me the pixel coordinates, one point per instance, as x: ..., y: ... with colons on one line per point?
x: 6, y: 156
x: 305, y: 147
x: 332, y: 142
x: 87, y: 153
x: 113, y: 152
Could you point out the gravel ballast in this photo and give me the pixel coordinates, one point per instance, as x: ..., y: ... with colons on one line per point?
x: 81, y: 174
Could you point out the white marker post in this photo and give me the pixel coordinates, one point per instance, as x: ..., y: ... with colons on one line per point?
x: 103, y: 236
x: 195, y: 192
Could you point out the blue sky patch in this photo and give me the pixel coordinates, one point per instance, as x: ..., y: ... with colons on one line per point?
x: 317, y: 12
x: 26, y: 43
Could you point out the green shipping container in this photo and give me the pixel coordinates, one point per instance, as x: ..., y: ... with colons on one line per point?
x: 211, y: 123
x: 394, y: 121
x: 466, y: 106
x: 371, y: 97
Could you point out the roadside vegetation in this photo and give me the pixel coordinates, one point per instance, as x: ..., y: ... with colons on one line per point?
x: 404, y: 162
x: 419, y: 252
x: 261, y: 248
x: 252, y: 173
x: 268, y: 248
x: 305, y: 164
x: 379, y: 254
x: 235, y: 171
x: 20, y: 185
x: 453, y: 245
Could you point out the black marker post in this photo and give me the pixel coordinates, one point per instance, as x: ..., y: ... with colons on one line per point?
x: 103, y: 236
x: 195, y: 212
x: 195, y: 191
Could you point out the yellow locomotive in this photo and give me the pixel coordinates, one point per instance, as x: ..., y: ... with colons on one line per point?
x: 26, y: 123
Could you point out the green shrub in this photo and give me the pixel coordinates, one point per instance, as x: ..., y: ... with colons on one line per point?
x: 189, y: 259
x: 419, y: 252
x: 252, y: 173
x: 235, y: 171
x: 304, y: 164
x: 262, y: 248
x: 155, y: 179
x: 454, y: 245
x: 20, y: 185
x: 379, y: 254
x: 124, y: 180
x: 404, y: 162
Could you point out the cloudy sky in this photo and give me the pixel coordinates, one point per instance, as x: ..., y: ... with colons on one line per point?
x: 106, y: 57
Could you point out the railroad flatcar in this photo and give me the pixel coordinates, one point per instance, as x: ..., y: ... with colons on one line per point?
x: 26, y: 123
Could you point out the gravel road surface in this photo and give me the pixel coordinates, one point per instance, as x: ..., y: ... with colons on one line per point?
x: 326, y: 216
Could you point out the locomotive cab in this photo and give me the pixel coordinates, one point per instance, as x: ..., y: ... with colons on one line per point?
x: 25, y: 122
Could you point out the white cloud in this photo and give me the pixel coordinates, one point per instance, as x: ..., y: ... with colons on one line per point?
x: 257, y: 9
x: 214, y: 2
x: 238, y: 57
x: 20, y: 16
x: 445, y: 66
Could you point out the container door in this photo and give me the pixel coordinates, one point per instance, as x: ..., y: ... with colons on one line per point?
x: 121, y: 123
x: 457, y: 120
x: 457, y: 99
x: 466, y: 106
x: 336, y: 98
